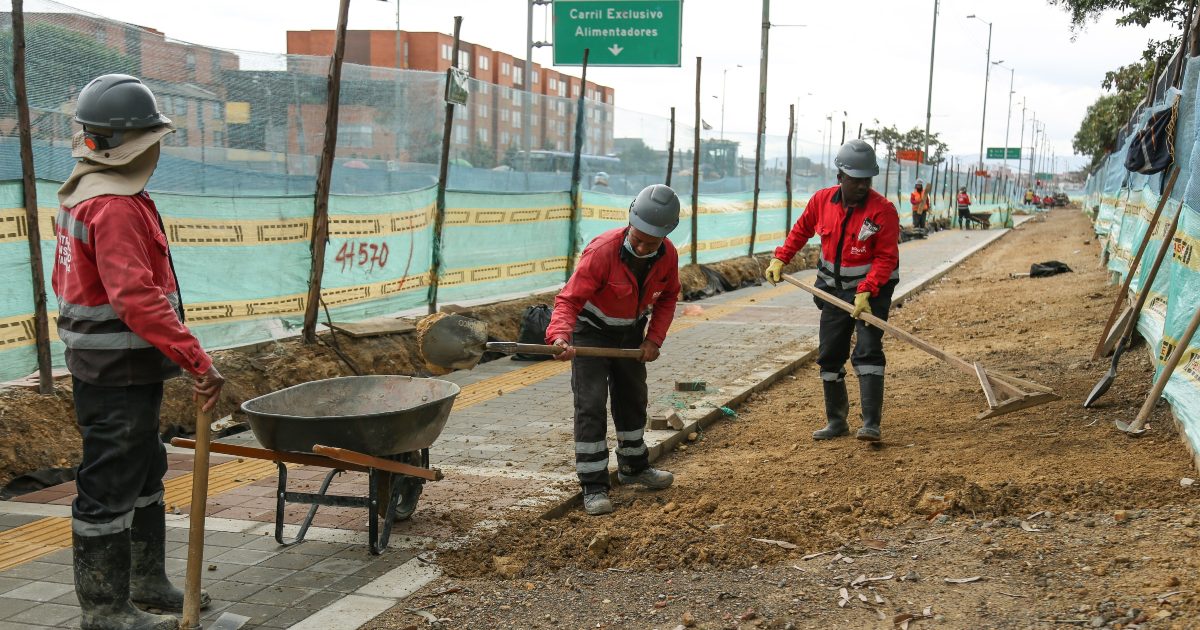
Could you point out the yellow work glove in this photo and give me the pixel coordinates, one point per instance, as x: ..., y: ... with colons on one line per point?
x: 774, y: 271
x: 861, y: 305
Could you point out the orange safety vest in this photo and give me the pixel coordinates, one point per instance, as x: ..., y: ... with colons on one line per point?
x: 919, y: 201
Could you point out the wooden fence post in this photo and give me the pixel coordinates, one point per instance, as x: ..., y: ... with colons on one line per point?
x: 439, y: 218
x: 671, y: 149
x: 696, y: 173
x: 576, y: 160
x: 324, y: 172
x: 787, y: 226
x: 41, y: 321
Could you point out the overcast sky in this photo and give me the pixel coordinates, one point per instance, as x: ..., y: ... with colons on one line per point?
x: 869, y: 58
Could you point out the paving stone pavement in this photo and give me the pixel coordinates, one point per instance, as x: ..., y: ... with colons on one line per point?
x: 508, y: 450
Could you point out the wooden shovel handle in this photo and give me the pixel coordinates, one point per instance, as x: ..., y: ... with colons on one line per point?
x: 580, y: 351
x: 1137, y: 259
x: 195, y: 556
x: 1161, y: 383
x: 1144, y: 293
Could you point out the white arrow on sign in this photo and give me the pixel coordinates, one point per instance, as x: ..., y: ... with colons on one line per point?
x: 615, y: 49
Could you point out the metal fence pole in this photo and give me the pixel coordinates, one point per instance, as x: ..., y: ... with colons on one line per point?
x: 788, y: 177
x: 324, y: 172
x: 696, y: 173
x: 671, y: 149
x: 580, y: 111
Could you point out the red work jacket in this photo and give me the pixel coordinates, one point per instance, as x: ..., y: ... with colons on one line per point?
x: 603, y: 292
x: 859, y: 248
x: 119, y: 311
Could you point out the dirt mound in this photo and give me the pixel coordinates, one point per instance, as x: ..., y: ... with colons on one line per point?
x: 761, y: 476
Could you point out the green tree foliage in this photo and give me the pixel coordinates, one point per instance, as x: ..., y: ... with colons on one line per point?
x: 59, y: 62
x: 1127, y: 85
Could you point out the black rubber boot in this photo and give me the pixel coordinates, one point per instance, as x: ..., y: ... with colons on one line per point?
x: 870, y: 388
x: 102, y: 565
x: 837, y: 407
x: 148, y: 583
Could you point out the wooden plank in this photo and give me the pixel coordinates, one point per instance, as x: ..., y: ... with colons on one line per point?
x: 986, y: 385
x: 1018, y: 404
x: 302, y: 459
x: 374, y: 327
x: 1011, y: 380
x: 379, y: 463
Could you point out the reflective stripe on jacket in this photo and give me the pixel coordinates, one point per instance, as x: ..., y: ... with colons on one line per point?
x: 604, y: 294
x: 859, y: 248
x: 119, y: 311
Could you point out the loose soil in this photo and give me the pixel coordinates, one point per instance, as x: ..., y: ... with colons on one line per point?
x: 1061, y: 517
x: 39, y: 432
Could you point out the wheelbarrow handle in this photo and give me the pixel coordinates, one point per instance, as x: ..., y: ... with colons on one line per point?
x: 510, y: 347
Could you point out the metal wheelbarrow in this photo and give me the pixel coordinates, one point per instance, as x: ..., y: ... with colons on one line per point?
x: 380, y: 425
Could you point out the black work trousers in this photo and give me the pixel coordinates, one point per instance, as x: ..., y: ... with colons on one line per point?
x: 124, y: 459
x: 596, y: 382
x: 835, y: 333
x: 919, y: 220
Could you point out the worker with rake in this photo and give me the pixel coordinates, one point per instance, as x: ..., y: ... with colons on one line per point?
x: 621, y: 295
x: 859, y: 229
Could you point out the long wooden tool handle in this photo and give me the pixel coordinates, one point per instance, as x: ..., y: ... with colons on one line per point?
x: 1144, y: 293
x: 912, y: 339
x: 370, y: 461
x: 1137, y: 259
x: 581, y: 351
x: 1161, y: 383
x: 195, y: 556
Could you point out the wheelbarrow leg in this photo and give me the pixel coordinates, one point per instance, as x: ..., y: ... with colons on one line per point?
x: 312, y: 510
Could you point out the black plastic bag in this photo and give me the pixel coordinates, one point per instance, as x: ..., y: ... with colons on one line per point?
x: 36, y: 480
x: 534, y: 322
x: 1048, y: 268
x: 715, y: 284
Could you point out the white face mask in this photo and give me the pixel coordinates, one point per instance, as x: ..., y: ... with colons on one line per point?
x: 629, y: 248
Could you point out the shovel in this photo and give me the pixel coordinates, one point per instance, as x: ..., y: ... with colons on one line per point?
x: 195, y: 557
x: 1106, y: 381
x: 1138, y: 427
x: 1103, y: 348
x: 458, y: 343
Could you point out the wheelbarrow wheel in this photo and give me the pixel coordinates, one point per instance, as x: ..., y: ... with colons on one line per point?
x: 410, y: 487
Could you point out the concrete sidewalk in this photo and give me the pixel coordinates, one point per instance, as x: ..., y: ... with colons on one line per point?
x: 507, y: 446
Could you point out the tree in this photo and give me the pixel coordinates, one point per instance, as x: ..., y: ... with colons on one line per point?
x: 912, y: 140
x: 1127, y: 85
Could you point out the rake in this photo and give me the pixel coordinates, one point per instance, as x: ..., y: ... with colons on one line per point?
x: 1004, y: 393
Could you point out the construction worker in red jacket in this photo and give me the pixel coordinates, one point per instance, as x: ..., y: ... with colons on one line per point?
x: 859, y: 229
x: 964, y: 208
x: 621, y: 295
x: 120, y: 317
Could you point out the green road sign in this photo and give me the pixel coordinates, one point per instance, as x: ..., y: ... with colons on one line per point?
x: 618, y: 32
x: 997, y: 153
x: 1045, y: 176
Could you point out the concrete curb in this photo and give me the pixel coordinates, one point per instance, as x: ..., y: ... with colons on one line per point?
x: 763, y: 377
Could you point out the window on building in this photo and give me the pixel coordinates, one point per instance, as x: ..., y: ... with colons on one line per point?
x: 484, y: 62
x: 575, y: 91
x: 517, y: 96
x: 560, y: 146
x: 535, y: 76
x: 482, y: 134
x: 591, y: 96
x: 447, y: 52
x: 503, y: 115
x: 516, y: 122
x: 460, y: 113
x: 518, y: 75
x: 464, y: 60
x: 460, y: 135
x: 355, y: 136
x: 190, y: 61
x: 484, y: 87
x: 505, y: 68
x: 505, y: 138
x: 482, y: 111
x: 553, y: 83
x: 533, y: 120
x: 177, y: 139
x: 218, y: 138
x: 561, y: 106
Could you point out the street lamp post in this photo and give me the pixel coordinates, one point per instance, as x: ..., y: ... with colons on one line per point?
x: 724, y: 76
x: 1021, y: 141
x: 929, y: 98
x: 987, y: 75
x: 1012, y: 73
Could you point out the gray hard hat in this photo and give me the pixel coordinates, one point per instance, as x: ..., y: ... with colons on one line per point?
x: 655, y: 211
x: 118, y: 101
x: 857, y: 159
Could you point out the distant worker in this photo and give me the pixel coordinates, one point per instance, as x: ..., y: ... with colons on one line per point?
x: 1029, y: 196
x: 621, y: 295
x: 964, y: 208
x: 920, y: 205
x: 859, y: 229
x: 121, y: 319
x: 600, y: 182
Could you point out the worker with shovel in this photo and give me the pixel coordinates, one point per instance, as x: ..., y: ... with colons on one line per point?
x: 121, y: 319
x: 859, y: 259
x: 621, y: 295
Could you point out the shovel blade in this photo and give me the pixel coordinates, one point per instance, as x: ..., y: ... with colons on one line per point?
x: 1100, y: 388
x: 451, y: 341
x: 1128, y: 429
